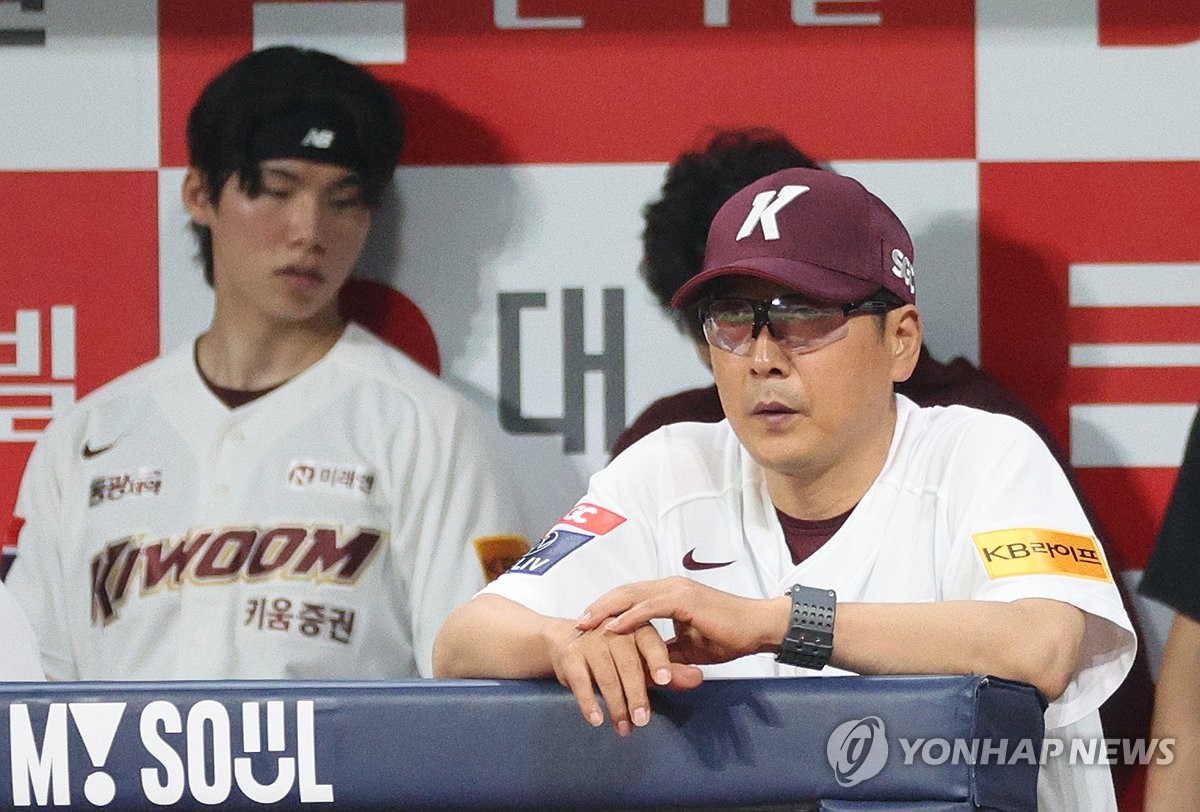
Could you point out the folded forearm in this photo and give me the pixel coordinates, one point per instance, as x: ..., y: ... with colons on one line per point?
x: 490, y: 636
x: 1035, y: 641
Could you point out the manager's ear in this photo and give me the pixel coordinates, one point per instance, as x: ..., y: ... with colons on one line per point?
x: 903, y: 334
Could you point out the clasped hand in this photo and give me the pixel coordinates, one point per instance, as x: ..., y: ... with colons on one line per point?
x: 614, y: 649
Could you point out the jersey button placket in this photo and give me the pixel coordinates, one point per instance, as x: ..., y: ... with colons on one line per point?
x: 204, y: 617
x: 226, y: 455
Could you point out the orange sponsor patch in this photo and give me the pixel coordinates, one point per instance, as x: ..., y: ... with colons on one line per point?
x: 498, y: 553
x: 1034, y: 551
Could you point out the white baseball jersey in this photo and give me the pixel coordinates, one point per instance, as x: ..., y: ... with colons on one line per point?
x: 323, y: 530
x: 969, y: 506
x: 20, y: 662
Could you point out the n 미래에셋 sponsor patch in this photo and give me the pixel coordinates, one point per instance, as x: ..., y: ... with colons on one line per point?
x: 348, y: 478
x: 1036, y: 551
x: 554, y: 547
x: 592, y: 518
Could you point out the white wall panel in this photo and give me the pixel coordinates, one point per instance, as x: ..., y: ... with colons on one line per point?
x: 1135, y: 355
x: 469, y: 234
x: 359, y: 31
x: 1129, y: 435
x: 1047, y: 90
x: 87, y: 98
x: 1130, y: 284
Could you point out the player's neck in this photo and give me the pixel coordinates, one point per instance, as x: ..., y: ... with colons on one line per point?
x: 254, y: 357
x: 824, y: 489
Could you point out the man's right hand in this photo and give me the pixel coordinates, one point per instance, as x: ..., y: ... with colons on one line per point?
x: 621, y: 667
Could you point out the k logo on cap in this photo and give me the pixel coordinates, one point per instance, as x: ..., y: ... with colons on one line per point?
x: 766, y: 206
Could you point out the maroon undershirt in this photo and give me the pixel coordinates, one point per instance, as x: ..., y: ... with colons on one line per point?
x: 232, y: 398
x: 805, y: 537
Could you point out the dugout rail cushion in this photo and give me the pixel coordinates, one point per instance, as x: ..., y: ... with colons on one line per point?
x: 839, y: 743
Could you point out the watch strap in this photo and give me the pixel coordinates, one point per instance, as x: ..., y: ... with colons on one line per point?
x: 809, y: 639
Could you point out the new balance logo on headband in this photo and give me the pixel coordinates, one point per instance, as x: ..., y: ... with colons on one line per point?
x: 766, y: 205
x: 320, y: 139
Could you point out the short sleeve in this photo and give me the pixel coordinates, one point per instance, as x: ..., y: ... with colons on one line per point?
x: 606, y: 540
x: 1023, y: 534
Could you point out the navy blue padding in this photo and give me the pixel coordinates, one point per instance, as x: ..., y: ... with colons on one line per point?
x: 433, y: 744
x: 897, y: 806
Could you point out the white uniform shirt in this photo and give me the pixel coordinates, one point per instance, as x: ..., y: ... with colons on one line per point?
x: 323, y: 530
x: 20, y: 662
x: 691, y: 491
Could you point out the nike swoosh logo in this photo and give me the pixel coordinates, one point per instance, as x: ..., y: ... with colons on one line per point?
x: 690, y: 563
x: 89, y: 452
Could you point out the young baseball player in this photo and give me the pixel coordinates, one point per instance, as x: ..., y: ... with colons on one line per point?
x: 827, y: 521
x: 288, y: 497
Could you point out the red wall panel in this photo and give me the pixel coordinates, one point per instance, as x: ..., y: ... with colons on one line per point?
x: 85, y: 239
x: 638, y: 79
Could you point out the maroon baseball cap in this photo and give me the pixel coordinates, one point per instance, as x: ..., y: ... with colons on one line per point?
x: 811, y: 230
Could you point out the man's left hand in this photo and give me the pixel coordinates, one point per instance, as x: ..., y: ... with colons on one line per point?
x: 711, y: 626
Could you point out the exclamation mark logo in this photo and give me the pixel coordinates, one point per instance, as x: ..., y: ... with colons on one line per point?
x: 97, y: 724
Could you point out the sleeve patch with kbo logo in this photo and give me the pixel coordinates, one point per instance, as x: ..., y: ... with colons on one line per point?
x: 593, y: 518
x: 554, y: 547
x: 1035, y: 551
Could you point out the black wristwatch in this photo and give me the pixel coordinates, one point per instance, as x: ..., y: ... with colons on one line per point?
x: 809, y: 639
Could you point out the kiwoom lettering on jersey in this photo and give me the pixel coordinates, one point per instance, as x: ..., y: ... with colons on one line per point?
x: 321, y: 554
x: 212, y: 752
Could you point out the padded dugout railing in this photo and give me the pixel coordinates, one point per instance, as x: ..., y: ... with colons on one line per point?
x: 837, y: 743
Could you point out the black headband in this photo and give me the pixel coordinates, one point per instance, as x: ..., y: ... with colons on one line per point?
x: 315, y: 132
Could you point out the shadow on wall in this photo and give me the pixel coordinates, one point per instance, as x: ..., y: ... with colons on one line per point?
x: 1023, y: 324
x: 1025, y: 311
x: 439, y: 237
